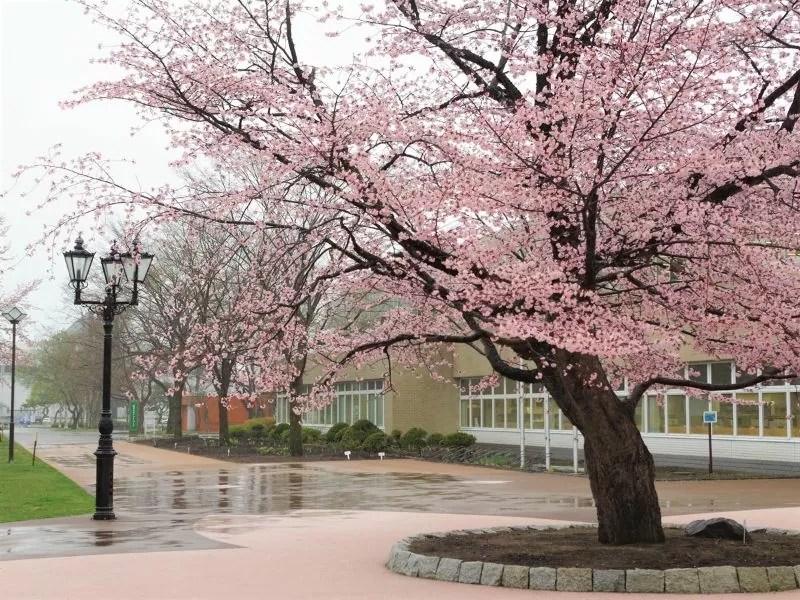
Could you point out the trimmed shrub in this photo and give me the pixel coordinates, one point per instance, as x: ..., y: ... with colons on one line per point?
x: 435, y: 439
x: 394, y: 438
x: 263, y: 422
x: 311, y: 435
x: 365, y: 425
x: 458, y: 440
x: 414, y: 439
x: 377, y: 441
x: 355, y: 435
x: 351, y: 440
x: 283, y: 436
x: 238, y: 433
x: 334, y: 434
x: 277, y: 431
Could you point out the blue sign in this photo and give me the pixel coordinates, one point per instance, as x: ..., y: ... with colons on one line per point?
x: 709, y: 416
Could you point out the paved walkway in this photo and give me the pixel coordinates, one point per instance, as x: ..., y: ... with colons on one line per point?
x: 308, y: 530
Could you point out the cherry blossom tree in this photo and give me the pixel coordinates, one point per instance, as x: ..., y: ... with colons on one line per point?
x: 587, y: 185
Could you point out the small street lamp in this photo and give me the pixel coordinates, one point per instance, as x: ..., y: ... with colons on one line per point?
x: 117, y: 269
x: 14, y: 316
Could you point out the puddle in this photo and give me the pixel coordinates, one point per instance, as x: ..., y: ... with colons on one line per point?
x: 158, y: 510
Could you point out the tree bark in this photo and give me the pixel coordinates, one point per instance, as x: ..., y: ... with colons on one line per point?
x: 175, y: 418
x: 224, y: 379
x: 295, y: 434
x: 223, y: 422
x: 295, y: 426
x: 620, y: 467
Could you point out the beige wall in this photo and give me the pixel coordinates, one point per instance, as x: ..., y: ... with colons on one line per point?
x: 422, y: 401
x: 416, y: 399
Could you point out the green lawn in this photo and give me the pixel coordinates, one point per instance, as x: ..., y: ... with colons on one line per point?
x: 37, y: 492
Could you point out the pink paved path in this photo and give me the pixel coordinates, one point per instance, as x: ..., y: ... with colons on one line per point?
x: 302, y: 554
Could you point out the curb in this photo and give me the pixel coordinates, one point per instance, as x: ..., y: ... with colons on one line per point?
x: 700, y: 580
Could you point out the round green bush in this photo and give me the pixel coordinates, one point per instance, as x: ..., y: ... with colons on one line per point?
x: 311, y: 435
x: 265, y: 421
x: 277, y: 431
x: 458, y: 440
x: 237, y: 433
x: 351, y: 440
x: 365, y: 425
x: 334, y: 434
x: 377, y: 441
x: 414, y: 439
x: 359, y: 431
x: 435, y: 439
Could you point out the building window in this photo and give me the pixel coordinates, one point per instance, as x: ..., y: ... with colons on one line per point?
x: 676, y: 413
x: 725, y: 409
x: 746, y: 414
x: 697, y: 406
x: 496, y: 407
x: 354, y: 400
x: 774, y: 413
x: 655, y: 415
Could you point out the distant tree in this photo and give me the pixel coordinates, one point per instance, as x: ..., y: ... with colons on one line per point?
x: 65, y: 370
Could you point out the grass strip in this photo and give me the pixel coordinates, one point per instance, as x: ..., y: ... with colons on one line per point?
x: 37, y: 491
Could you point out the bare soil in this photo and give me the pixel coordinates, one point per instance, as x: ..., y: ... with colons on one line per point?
x: 578, y: 547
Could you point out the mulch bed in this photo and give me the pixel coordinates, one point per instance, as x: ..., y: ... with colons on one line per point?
x: 578, y: 547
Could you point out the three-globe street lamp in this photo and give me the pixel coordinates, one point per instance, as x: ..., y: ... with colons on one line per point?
x: 117, y: 269
x: 14, y: 316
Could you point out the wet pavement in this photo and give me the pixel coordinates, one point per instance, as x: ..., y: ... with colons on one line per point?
x: 160, y: 496
x: 190, y: 527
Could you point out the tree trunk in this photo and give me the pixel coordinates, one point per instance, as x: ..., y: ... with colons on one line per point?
x: 622, y: 478
x: 620, y: 467
x: 224, y: 374
x: 140, y: 418
x: 175, y: 418
x: 295, y: 434
x: 295, y: 427
x: 223, y: 422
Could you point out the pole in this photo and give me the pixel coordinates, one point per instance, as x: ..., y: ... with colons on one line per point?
x: 521, y: 417
x: 575, y: 448
x: 105, y: 453
x: 547, y: 432
x: 521, y: 413
x: 710, y: 458
x: 13, y: 369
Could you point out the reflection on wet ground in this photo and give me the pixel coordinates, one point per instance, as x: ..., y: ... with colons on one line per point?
x: 157, y: 510
x: 264, y: 489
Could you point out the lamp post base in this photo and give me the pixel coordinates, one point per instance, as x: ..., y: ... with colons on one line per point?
x: 104, y: 516
x: 104, y: 498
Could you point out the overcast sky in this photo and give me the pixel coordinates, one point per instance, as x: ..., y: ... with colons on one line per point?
x: 46, y: 46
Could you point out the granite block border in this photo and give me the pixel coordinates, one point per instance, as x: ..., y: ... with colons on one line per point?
x: 704, y: 580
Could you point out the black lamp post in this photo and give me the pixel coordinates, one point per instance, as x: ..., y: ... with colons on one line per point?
x: 14, y: 316
x: 117, y: 268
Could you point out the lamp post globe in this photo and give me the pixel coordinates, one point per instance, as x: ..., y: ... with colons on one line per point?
x: 119, y: 270
x: 14, y: 316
